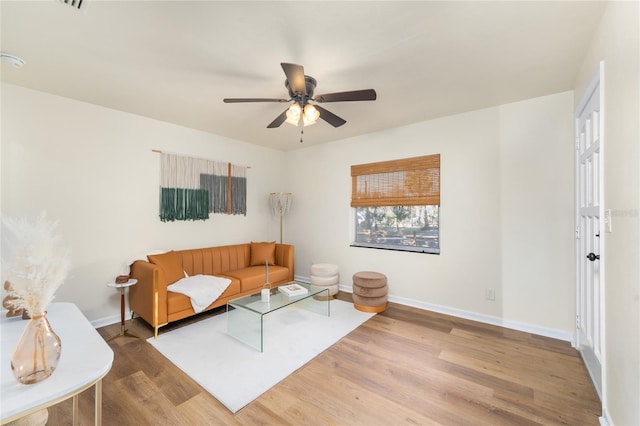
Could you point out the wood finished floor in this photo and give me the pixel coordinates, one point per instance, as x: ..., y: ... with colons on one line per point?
x: 403, y: 366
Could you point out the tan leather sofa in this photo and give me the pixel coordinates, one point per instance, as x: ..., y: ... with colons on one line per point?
x: 243, y: 264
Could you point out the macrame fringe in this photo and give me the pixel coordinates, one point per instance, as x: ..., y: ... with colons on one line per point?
x: 217, y: 187
x: 239, y: 195
x: 183, y: 204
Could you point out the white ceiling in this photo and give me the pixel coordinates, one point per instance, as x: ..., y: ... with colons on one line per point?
x: 176, y: 60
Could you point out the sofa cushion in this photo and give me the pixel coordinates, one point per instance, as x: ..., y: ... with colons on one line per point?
x: 263, y: 252
x: 171, y: 263
x: 253, y: 277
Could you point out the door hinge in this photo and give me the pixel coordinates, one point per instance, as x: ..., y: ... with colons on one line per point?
x: 577, y: 232
x: 577, y: 321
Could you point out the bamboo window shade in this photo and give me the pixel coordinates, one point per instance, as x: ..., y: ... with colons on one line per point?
x: 406, y: 182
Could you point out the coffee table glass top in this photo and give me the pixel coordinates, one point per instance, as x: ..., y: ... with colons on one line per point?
x: 245, y: 315
x: 277, y: 299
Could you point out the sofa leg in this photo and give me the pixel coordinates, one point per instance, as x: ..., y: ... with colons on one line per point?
x: 156, y: 328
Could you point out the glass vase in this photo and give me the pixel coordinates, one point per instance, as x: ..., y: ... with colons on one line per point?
x: 37, y: 353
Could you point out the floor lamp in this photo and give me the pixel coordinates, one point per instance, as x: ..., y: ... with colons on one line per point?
x: 280, y: 203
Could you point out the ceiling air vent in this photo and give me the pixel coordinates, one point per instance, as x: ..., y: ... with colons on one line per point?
x: 76, y: 4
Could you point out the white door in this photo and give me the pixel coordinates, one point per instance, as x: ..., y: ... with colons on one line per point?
x: 589, y: 231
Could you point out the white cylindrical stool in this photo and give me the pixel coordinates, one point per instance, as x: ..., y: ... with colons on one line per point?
x: 326, y: 275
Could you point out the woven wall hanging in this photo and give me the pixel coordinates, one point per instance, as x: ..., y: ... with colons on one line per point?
x: 192, y: 188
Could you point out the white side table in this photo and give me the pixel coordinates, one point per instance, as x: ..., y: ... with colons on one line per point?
x: 85, y: 360
x: 122, y: 286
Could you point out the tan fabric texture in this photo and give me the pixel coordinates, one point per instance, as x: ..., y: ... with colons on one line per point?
x: 370, y: 301
x: 171, y: 264
x: 325, y: 281
x: 369, y: 279
x: 323, y: 269
x: 262, y: 253
x: 370, y: 292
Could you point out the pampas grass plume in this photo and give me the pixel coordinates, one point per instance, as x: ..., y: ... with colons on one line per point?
x: 33, y: 262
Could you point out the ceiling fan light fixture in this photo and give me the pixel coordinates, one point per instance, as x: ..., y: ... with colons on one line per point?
x: 293, y: 114
x: 291, y: 121
x: 311, y: 114
x: 301, y: 89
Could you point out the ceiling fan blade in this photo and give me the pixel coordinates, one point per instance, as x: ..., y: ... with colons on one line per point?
x: 238, y: 100
x: 354, y: 95
x: 330, y: 117
x: 279, y: 120
x: 295, y: 77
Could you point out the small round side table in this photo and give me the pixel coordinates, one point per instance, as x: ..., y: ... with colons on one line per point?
x: 122, y: 286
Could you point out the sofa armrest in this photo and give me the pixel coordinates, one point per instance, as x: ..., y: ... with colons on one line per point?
x: 285, y: 257
x: 148, y: 297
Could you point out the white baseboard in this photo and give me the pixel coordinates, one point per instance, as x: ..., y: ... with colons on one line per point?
x: 487, y: 319
x: 103, y: 322
x: 474, y: 316
x: 605, y: 420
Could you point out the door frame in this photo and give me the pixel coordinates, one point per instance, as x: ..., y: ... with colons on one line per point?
x: 597, y: 79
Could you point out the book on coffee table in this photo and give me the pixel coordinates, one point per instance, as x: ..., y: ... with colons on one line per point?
x: 293, y: 290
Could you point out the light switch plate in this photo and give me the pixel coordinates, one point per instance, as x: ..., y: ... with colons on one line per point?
x: 607, y: 221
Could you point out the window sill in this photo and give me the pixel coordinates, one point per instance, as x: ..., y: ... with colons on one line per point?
x: 423, y: 250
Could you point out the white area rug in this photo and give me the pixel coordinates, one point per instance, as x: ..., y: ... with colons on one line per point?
x: 235, y: 373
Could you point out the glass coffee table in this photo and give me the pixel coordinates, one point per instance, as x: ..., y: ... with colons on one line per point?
x: 245, y: 316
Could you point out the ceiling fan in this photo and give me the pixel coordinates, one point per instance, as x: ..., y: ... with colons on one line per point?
x: 301, y: 88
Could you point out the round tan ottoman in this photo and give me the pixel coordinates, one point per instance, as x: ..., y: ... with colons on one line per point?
x: 370, y: 291
x: 325, y: 275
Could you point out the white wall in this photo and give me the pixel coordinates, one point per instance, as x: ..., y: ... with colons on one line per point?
x: 469, y: 217
x: 617, y: 43
x: 536, y: 169
x: 506, y: 221
x: 92, y: 169
x: 506, y: 213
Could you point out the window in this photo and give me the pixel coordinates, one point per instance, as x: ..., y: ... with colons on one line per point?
x: 397, y: 204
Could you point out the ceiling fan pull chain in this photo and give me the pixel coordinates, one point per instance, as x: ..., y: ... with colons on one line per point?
x: 301, y: 133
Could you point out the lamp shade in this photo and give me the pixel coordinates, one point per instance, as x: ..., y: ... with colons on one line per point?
x: 280, y: 203
x: 311, y: 114
x: 293, y: 114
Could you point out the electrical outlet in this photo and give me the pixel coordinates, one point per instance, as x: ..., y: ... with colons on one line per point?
x: 490, y: 294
